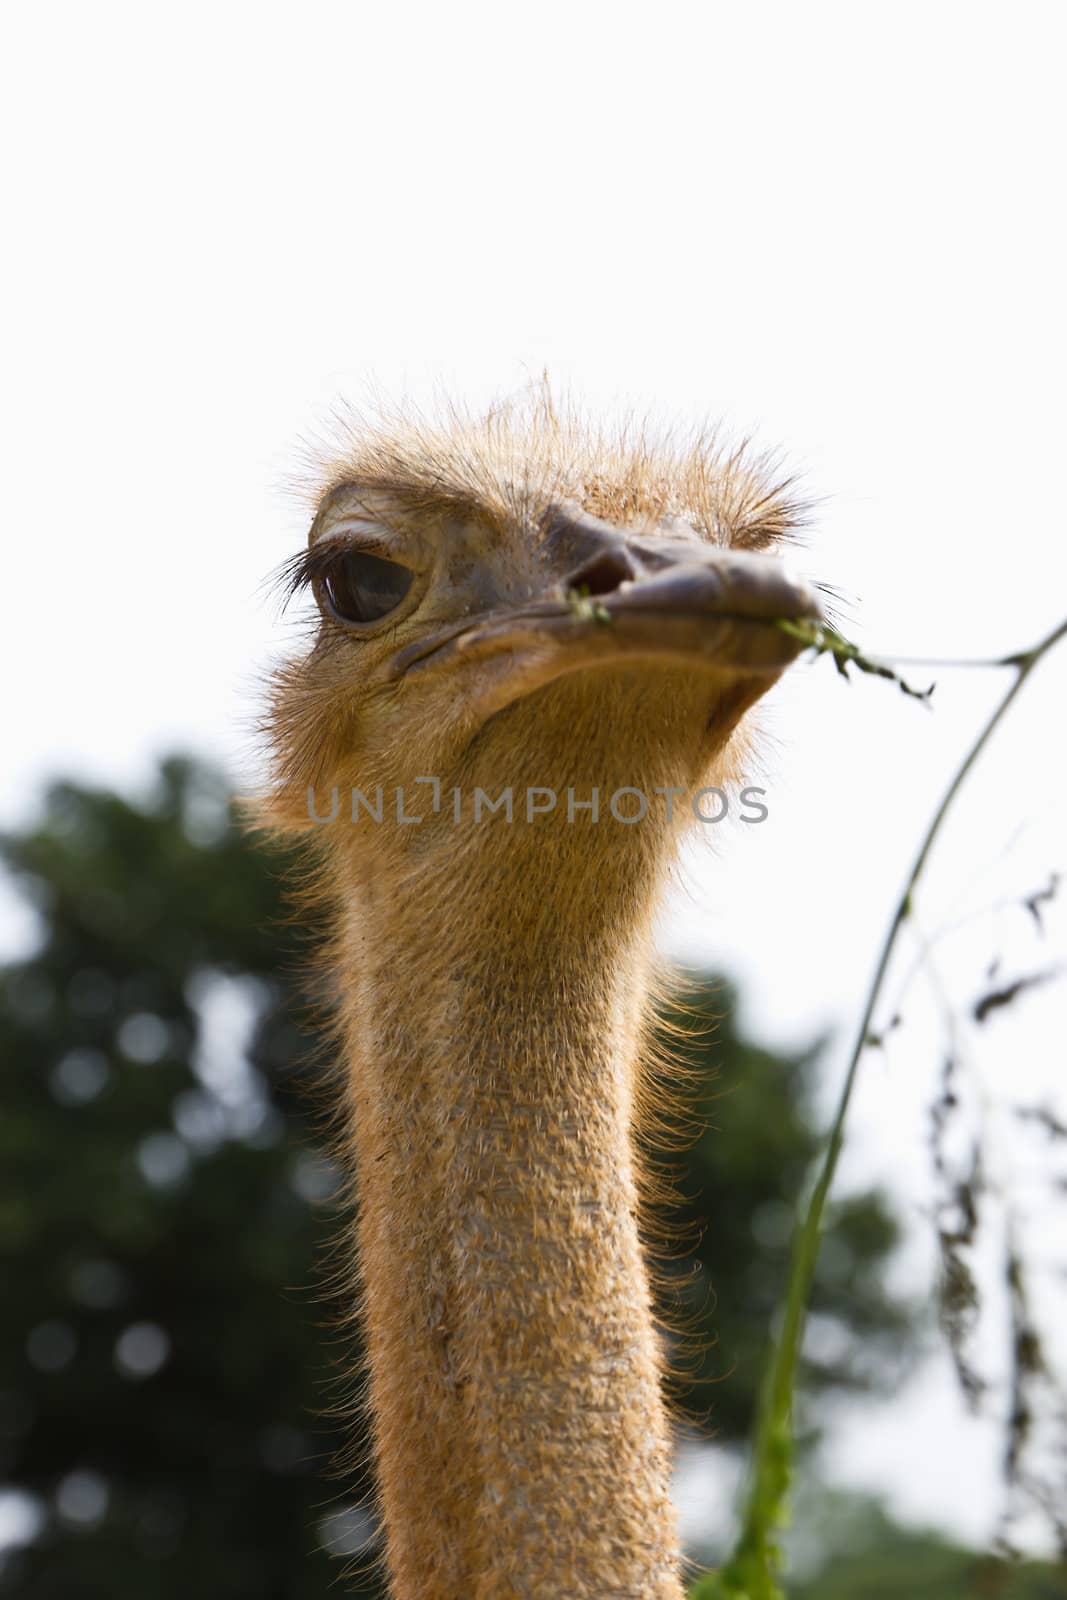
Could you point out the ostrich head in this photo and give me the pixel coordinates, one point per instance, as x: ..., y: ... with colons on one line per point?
x: 525, y: 602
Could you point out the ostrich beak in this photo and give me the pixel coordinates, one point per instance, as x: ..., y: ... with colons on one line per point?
x: 627, y: 597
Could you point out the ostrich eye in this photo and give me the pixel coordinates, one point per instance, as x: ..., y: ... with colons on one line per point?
x: 360, y: 587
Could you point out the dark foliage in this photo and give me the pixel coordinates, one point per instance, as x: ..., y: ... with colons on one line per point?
x: 738, y: 1182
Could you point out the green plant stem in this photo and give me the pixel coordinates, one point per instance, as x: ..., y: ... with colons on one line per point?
x: 752, y: 1570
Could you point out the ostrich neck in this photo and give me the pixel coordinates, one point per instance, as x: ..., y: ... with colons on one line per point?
x: 493, y: 1026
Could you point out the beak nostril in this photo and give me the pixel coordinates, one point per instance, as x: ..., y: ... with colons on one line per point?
x: 603, y: 573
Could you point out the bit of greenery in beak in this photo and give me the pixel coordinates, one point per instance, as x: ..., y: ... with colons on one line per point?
x: 825, y: 640
x: 585, y: 609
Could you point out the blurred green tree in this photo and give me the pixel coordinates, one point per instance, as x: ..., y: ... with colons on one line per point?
x: 168, y: 1347
x: 735, y: 1186
x: 864, y: 1555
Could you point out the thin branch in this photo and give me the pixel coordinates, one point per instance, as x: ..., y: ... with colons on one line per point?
x: 823, y: 638
x: 752, y: 1570
x: 1010, y: 902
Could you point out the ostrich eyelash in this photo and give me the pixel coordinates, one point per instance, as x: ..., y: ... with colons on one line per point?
x: 303, y: 569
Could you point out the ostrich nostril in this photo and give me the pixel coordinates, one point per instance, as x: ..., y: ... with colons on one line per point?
x: 602, y: 573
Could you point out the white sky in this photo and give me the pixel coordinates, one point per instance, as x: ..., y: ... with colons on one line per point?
x: 832, y: 225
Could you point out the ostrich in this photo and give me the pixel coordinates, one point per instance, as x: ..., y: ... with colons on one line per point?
x: 515, y: 606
